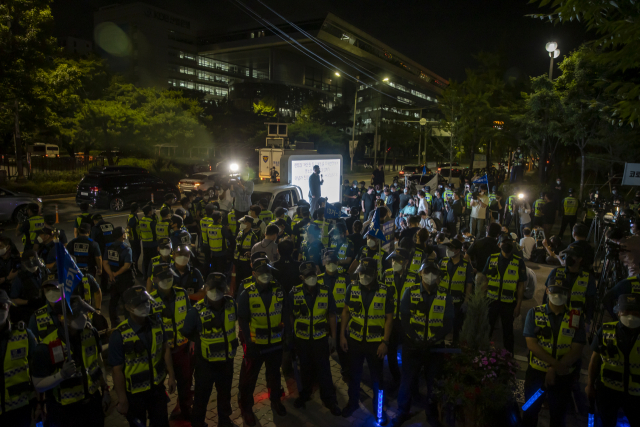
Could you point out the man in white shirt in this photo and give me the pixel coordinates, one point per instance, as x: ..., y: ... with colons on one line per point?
x: 423, y: 204
x: 527, y: 243
x: 225, y: 200
x: 479, y: 212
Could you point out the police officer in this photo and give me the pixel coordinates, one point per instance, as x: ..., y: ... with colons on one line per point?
x: 90, y: 292
x: 614, y: 370
x: 570, y: 206
x: 117, y: 267
x: 205, y: 222
x: 537, y: 210
x: 506, y: 274
x: 493, y: 195
x: 343, y: 247
x: 211, y: 324
x: 46, y: 248
x: 300, y: 224
x: 165, y: 248
x: 265, y: 214
x: 75, y: 386
x: 616, y: 198
x: 163, y: 226
x: 260, y: 307
x: 448, y: 192
x: 171, y: 304
x: 83, y: 218
x: 371, y: 250
x: 246, y: 239
x: 169, y: 200
x: 368, y: 321
x: 312, y: 248
x: 397, y: 279
x: 141, y: 358
x: 187, y: 277
x: 311, y: 311
x: 25, y: 289
x: 30, y: 226
x: 17, y: 345
x: 555, y: 339
x: 218, y: 237
x: 149, y: 238
x: 101, y: 232
x: 457, y: 278
x: 283, y: 234
x: 323, y: 225
x: 86, y: 251
x: 135, y: 237
x: 176, y: 227
x: 508, y: 209
x: 44, y: 323
x: 426, y: 310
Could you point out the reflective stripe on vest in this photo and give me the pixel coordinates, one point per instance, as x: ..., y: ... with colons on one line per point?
x: 17, y: 382
x: 339, y: 288
x: 231, y: 219
x: 635, y: 284
x: 342, y: 255
x: 36, y: 223
x: 505, y: 292
x: 146, y: 234
x: 244, y: 243
x: 310, y: 322
x: 324, y: 230
x: 140, y: 371
x: 47, y: 330
x: 80, y: 250
x: 492, y: 197
x: 578, y: 297
x: 556, y: 347
x: 613, y: 362
x: 419, y: 318
x: 570, y: 206
x: 510, y: 201
x: 390, y: 283
x: 467, y: 198
x: 537, y: 207
x: 416, y: 261
x: 376, y: 254
x: 72, y: 390
x: 205, y: 223
x: 372, y: 318
x: 172, y: 325
x: 428, y: 197
x: 266, y: 216
x: 218, y: 342
x: 448, y: 194
x: 266, y: 327
x: 158, y: 260
x: 455, y: 285
x: 162, y: 229
x: 214, y: 237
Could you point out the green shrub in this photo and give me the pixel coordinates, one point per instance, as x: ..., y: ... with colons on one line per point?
x: 44, y: 188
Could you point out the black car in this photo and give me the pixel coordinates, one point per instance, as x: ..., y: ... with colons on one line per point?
x: 116, y: 187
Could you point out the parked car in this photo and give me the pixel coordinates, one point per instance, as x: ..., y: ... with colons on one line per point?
x: 276, y: 194
x: 116, y: 187
x: 204, y: 181
x: 13, y: 205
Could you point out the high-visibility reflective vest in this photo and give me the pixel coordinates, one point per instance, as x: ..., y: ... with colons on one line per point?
x: 134, y: 233
x: 389, y: 281
x: 266, y: 216
x: 141, y: 371
x: 166, y: 206
x: 266, y: 327
x: 510, y: 202
x: 421, y: 317
x: 416, y: 261
x: 448, y: 194
x: 428, y: 197
x: 492, y: 198
x: 36, y: 223
x: 324, y: 229
x: 158, y: 260
x: 614, y: 363
x: 455, y: 285
x: 310, y: 322
x: 47, y: 330
x: 215, y: 239
x: 244, y: 243
x: 467, y: 199
x: 503, y: 288
x: 218, y: 341
x: 231, y: 219
x: 570, y: 205
x: 83, y: 217
x: 162, y: 229
x: 84, y: 290
x: 367, y: 322
x: 205, y: 223
x: 376, y: 254
x: 17, y: 388
x: 173, y: 322
x: 339, y: 288
x: 146, y: 232
x: 558, y: 346
x: 578, y: 298
x: 537, y: 207
x: 635, y: 284
x: 72, y: 389
x: 342, y: 255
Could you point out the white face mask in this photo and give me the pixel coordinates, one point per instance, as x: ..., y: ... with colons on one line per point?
x: 451, y: 253
x: 265, y: 278
x: 53, y: 295
x: 40, y: 237
x: 558, y: 299
x: 215, y: 295
x: 311, y: 281
x: 181, y: 260
x: 397, y: 266
x: 79, y: 323
x: 365, y: 279
x: 3, y: 251
x: 4, y: 315
x: 371, y: 243
x: 429, y: 278
x: 165, y: 252
x: 630, y: 321
x: 165, y: 283
x: 246, y: 226
x: 142, y: 310
x: 332, y: 268
x: 558, y: 182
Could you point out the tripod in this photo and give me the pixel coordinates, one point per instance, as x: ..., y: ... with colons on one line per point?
x: 612, y: 272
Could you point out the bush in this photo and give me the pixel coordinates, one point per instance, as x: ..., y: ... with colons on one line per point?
x: 44, y: 188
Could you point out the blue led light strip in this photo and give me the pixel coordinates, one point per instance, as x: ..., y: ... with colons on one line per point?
x: 533, y: 398
x: 380, y: 398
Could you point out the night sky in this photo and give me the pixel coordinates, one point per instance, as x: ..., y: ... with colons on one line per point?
x: 441, y: 35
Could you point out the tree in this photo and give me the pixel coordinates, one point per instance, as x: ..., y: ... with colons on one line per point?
x: 266, y: 107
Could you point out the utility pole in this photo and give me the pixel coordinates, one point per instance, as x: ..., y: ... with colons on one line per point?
x: 420, y: 141
x: 375, y: 143
x: 353, y: 129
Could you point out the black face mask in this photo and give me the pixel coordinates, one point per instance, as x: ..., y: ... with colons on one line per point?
x: 569, y: 260
x: 507, y: 248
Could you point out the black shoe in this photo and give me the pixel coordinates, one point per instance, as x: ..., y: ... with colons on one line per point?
x: 300, y: 402
x: 348, y: 410
x: 334, y: 408
x: 249, y: 418
x: 278, y: 408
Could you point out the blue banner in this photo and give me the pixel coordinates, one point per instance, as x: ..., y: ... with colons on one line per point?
x: 375, y: 229
x: 331, y: 212
x: 68, y: 272
x: 483, y: 180
x: 424, y: 170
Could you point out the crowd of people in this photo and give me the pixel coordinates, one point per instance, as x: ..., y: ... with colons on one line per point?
x: 219, y: 273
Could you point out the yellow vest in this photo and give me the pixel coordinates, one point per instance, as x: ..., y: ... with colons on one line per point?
x: 266, y: 216
x: 390, y: 283
x: 419, y: 316
x: 613, y: 362
x: 172, y: 325
x: 135, y: 233
x: 244, y: 243
x: 205, y: 223
x: 342, y: 255
x: 324, y: 230
x: 537, y: 207
x: 570, y: 206
x: 377, y: 255
x: 635, y: 284
x: 140, y: 372
x: 36, y: 223
x: 218, y: 343
x: 510, y: 201
x: 367, y: 322
x: 17, y: 381
x: 557, y: 347
x: 455, y: 285
x: 310, y: 322
x: 339, y: 289
x: 505, y: 291
x: 231, y: 219
x: 416, y: 261
x: 162, y: 229
x: 578, y: 298
x: 266, y: 327
x: 214, y: 237
x: 146, y: 234
x: 467, y: 198
x: 47, y: 330
x: 72, y: 390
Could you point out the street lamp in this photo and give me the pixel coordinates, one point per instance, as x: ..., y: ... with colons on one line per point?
x: 386, y: 79
x: 554, y: 52
x: 337, y: 74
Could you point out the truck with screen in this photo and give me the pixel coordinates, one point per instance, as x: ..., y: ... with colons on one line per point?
x: 296, y: 169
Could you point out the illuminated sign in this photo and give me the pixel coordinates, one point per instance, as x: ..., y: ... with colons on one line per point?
x: 330, y: 169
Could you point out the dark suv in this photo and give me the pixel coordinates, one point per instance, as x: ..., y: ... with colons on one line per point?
x: 116, y: 187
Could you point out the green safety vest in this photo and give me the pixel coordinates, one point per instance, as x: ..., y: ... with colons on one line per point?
x: 265, y: 327
x: 162, y: 229
x: 17, y: 381
x: 215, y: 239
x: 492, y: 197
x: 72, y: 390
x: 244, y: 243
x: 578, y: 298
x: 135, y: 233
x: 324, y: 229
x: 390, y: 283
x: 172, y: 325
x: 557, y: 347
x: 84, y: 290
x: 141, y: 371
x: 36, y: 223
x: 342, y: 255
x: 448, y: 194
x: 612, y: 370
x: 467, y: 198
x: 80, y: 217
x: 157, y: 260
x: 635, y: 284
x: 455, y: 285
x: 205, y: 223
x: 510, y: 201
x: 231, y: 219
x: 266, y: 216
x: 218, y: 343
x: 420, y: 318
x: 47, y: 330
x: 339, y: 288
x: 428, y: 197
x: 537, y: 207
x: 367, y: 322
x: 416, y: 261
x: 146, y: 234
x: 503, y: 288
x: 310, y: 322
x: 570, y: 206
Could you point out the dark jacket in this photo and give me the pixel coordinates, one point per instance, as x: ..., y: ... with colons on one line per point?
x: 314, y: 185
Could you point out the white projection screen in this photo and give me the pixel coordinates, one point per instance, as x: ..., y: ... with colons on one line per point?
x: 301, y: 167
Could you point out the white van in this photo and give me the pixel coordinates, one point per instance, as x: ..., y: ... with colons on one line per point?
x: 45, y: 150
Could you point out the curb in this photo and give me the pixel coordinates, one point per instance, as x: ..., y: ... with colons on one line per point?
x: 54, y: 196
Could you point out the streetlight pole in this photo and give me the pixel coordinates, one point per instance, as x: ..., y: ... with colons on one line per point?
x: 353, y: 129
x: 554, y: 52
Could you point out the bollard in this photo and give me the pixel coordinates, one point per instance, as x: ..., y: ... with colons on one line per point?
x: 57, y: 218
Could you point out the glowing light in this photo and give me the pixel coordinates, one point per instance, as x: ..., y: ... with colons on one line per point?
x: 337, y: 74
x: 112, y: 39
x: 592, y: 420
x: 386, y: 79
x: 532, y: 399
x: 233, y: 167
x: 521, y: 196
x: 551, y: 46
x: 380, y: 398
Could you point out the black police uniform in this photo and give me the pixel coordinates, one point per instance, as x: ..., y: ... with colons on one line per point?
x: 117, y: 255
x: 85, y: 250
